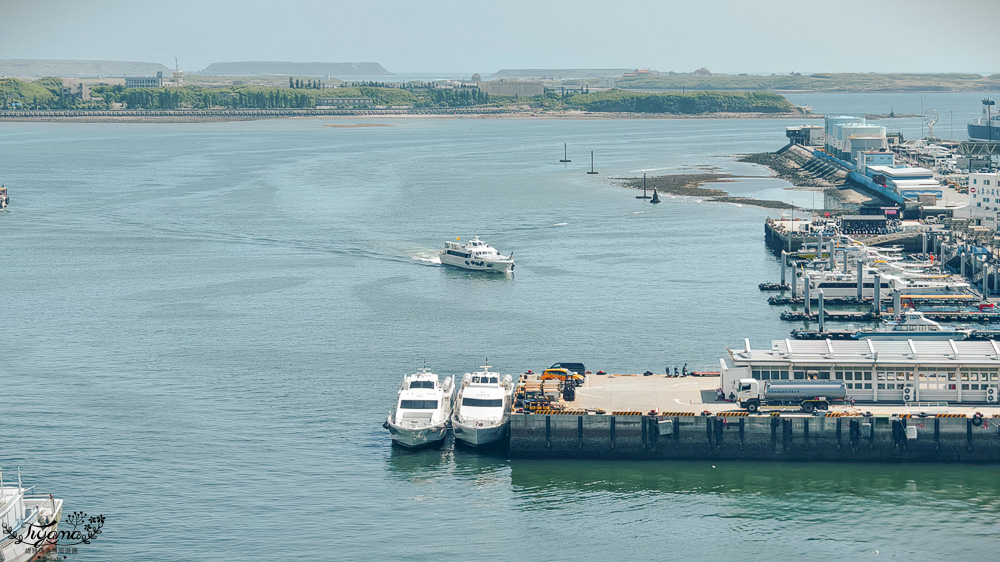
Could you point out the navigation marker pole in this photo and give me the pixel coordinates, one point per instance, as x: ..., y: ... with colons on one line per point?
x: 643, y: 196
x: 591, y: 163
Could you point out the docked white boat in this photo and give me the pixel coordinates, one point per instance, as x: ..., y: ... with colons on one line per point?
x: 845, y: 285
x: 482, y: 409
x: 476, y: 255
x: 913, y: 325
x: 30, y: 524
x: 423, y: 410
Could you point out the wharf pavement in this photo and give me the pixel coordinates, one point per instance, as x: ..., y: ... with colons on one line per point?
x: 638, y: 393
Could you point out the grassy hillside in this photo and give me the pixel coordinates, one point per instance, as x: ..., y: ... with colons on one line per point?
x: 680, y: 104
x: 30, y: 94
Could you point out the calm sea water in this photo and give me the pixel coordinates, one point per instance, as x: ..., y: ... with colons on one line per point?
x: 204, y: 325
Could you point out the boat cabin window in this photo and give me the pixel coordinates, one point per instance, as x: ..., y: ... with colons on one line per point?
x: 483, y: 402
x: 418, y: 404
x: 422, y: 384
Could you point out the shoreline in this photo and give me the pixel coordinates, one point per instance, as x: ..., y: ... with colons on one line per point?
x: 224, y: 116
x: 691, y: 185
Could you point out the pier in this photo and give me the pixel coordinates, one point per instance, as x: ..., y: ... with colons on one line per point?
x: 654, y: 417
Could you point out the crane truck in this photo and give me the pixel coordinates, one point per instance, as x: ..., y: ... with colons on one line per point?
x: 753, y: 394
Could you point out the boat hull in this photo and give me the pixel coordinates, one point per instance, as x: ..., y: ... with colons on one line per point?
x: 983, y: 133
x: 480, y: 436
x: 477, y: 265
x: 417, y: 437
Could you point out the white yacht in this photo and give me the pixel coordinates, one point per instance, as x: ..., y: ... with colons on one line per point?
x: 482, y: 409
x: 845, y: 285
x: 913, y: 325
x: 30, y: 523
x: 476, y: 255
x: 423, y: 410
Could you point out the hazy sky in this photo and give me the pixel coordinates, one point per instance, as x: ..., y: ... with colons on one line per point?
x: 410, y: 36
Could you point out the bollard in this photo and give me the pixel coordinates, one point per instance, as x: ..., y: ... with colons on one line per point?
x: 861, y: 279
x: 821, y: 311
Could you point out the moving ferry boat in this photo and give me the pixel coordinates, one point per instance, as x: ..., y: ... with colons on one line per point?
x: 482, y: 409
x: 423, y: 410
x: 913, y: 325
x: 476, y: 255
x: 28, y: 519
x: 877, y: 370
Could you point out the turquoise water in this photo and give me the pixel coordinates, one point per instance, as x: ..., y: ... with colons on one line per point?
x: 204, y: 326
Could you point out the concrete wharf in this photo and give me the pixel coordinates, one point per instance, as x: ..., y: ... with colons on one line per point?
x: 783, y: 234
x: 655, y: 417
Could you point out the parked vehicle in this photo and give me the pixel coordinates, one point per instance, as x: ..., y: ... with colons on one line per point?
x: 577, y: 368
x: 753, y: 394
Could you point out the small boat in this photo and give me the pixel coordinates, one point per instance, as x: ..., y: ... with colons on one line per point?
x: 476, y: 255
x: 4, y: 198
x: 913, y: 325
x: 423, y: 410
x: 656, y: 197
x: 30, y: 523
x: 482, y: 409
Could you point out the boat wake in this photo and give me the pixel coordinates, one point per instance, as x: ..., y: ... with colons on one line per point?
x: 429, y: 257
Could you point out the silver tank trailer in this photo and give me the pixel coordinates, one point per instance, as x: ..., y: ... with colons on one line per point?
x: 795, y: 391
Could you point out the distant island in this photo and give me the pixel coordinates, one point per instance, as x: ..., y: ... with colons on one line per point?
x: 53, y: 67
x: 309, y: 93
x: 819, y: 82
x: 270, y: 68
x: 557, y: 73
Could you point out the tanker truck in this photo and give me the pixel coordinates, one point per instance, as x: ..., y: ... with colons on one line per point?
x: 753, y: 394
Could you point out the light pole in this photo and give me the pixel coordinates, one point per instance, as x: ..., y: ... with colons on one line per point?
x: 988, y: 102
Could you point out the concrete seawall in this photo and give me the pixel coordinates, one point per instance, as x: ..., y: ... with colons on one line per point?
x: 737, y: 436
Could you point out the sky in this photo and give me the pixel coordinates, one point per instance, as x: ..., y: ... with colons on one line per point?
x: 410, y: 37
